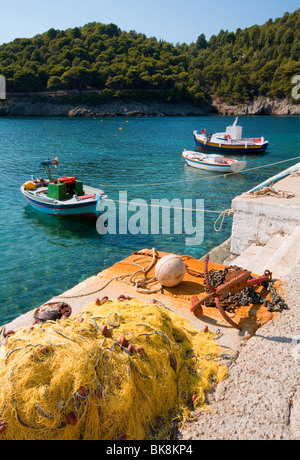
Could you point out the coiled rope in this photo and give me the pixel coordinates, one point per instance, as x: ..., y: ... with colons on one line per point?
x: 141, y: 284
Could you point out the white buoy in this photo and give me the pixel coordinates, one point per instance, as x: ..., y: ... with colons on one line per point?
x: 170, y: 270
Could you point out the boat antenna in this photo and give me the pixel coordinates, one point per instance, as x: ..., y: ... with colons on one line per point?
x: 236, y: 120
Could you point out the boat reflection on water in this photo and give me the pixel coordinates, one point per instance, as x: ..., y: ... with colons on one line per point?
x: 65, y: 228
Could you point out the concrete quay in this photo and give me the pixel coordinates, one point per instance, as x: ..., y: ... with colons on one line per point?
x: 266, y: 227
x: 260, y: 400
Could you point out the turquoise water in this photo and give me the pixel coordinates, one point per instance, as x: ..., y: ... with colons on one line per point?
x: 42, y: 256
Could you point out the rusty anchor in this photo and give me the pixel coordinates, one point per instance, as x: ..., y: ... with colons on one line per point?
x: 234, y: 284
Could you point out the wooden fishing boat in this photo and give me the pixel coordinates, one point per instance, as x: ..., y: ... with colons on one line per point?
x: 213, y: 162
x: 230, y: 141
x: 65, y: 196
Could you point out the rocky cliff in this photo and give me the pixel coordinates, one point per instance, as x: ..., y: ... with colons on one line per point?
x: 50, y: 107
x: 261, y: 106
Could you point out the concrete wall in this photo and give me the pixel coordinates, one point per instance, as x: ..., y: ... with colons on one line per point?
x: 258, y: 219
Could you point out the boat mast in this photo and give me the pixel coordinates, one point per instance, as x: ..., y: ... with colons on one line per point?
x: 236, y: 120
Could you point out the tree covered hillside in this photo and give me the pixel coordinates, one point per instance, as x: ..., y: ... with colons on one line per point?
x: 236, y: 67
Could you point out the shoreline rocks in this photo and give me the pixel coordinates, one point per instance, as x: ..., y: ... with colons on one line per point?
x: 260, y: 106
x: 24, y: 106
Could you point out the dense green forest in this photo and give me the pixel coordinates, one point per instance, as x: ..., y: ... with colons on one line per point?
x: 234, y: 66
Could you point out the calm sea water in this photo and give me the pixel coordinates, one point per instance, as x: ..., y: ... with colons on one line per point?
x: 42, y: 256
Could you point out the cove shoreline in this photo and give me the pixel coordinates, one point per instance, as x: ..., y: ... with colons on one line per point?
x: 51, y: 106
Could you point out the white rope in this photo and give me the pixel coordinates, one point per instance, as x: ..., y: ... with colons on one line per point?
x: 141, y: 285
x: 10, y: 178
x: 162, y: 206
x: 222, y: 214
x: 197, y: 180
x: 180, y: 181
x: 228, y: 212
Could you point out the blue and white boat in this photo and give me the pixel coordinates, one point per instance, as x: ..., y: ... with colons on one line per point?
x: 213, y: 162
x: 65, y: 196
x: 230, y: 141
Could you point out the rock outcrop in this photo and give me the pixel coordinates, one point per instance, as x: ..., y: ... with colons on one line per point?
x: 24, y: 106
x: 53, y: 107
x: 261, y: 106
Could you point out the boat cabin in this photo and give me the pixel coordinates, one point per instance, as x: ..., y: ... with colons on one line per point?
x: 233, y: 132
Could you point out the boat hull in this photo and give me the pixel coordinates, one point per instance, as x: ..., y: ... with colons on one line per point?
x: 229, y: 148
x: 82, y: 208
x: 208, y: 167
x: 208, y: 163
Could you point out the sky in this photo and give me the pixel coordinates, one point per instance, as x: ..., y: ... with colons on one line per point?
x: 175, y: 21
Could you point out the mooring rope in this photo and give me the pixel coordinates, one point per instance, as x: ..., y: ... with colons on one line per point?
x: 180, y: 181
x: 228, y: 212
x: 271, y: 191
x: 140, y: 284
x: 222, y: 214
x: 199, y: 179
x: 151, y: 205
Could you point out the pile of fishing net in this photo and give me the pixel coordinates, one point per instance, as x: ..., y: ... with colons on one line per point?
x: 118, y: 370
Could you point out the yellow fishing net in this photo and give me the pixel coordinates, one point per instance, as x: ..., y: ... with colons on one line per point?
x: 118, y: 370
